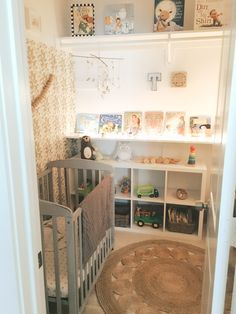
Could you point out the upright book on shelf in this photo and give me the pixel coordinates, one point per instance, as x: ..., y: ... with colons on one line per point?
x: 132, y: 122
x: 110, y: 124
x: 211, y: 14
x: 87, y: 123
x: 153, y: 122
x: 200, y: 125
x: 168, y: 15
x: 174, y: 123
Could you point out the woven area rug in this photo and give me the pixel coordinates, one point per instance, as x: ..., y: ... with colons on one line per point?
x: 152, y: 277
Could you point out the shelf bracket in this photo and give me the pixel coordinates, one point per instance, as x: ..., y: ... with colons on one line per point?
x: 169, y: 53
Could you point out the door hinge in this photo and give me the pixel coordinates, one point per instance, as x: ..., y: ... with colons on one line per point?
x: 40, y: 259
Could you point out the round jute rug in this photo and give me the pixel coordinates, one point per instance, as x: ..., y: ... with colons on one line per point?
x: 152, y: 277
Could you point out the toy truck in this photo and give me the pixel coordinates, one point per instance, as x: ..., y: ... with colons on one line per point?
x: 152, y: 217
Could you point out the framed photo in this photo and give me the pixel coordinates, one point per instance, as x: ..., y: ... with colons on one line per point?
x: 200, y: 125
x: 82, y: 20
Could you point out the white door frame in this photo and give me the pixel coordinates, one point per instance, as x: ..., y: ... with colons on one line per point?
x: 22, y: 289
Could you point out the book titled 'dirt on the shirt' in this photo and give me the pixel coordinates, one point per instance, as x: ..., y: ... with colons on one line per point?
x: 210, y: 14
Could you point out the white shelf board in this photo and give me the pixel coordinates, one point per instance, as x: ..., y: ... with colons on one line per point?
x: 139, y: 38
x: 122, y: 196
x: 156, y: 200
x: 159, y: 138
x: 197, y: 168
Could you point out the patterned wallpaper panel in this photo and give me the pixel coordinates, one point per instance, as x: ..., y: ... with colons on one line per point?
x: 54, y: 114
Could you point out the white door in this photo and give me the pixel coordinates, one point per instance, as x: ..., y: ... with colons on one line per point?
x: 22, y: 288
x: 223, y: 178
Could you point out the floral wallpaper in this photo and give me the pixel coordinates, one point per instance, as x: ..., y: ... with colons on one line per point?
x: 53, y: 98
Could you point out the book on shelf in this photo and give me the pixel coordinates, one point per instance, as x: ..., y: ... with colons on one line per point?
x: 153, y: 122
x: 132, y: 122
x: 211, y: 14
x: 87, y: 123
x: 119, y: 19
x: 200, y: 125
x: 168, y: 15
x: 110, y: 124
x: 174, y: 123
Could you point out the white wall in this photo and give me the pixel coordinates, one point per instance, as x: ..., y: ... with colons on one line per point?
x: 199, y: 58
x: 52, y: 15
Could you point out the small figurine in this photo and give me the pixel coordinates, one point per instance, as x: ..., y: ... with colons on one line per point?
x: 125, y: 185
x: 192, y: 155
x: 87, y: 150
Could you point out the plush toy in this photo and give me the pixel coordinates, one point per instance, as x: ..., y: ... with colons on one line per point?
x: 87, y: 150
x: 123, y: 152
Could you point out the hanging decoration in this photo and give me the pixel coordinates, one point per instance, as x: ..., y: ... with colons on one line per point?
x: 94, y: 72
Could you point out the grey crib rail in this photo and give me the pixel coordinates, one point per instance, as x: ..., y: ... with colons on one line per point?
x: 60, y: 183
x: 62, y: 180
x: 81, y: 277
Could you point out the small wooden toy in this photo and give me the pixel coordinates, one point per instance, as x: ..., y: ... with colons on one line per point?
x: 181, y: 194
x: 178, y: 79
x: 192, y: 155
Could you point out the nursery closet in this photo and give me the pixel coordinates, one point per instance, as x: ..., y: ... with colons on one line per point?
x: 18, y: 169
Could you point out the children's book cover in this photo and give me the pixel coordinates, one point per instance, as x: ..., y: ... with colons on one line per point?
x: 210, y: 14
x: 175, y: 123
x: 153, y: 122
x: 87, y: 123
x: 110, y: 123
x: 133, y: 122
x: 168, y: 15
x: 200, y: 125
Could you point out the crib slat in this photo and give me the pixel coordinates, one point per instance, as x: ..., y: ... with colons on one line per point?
x: 72, y: 267
x: 56, y: 266
x: 45, y: 266
x: 76, y: 185
x: 67, y: 186
x: 85, y: 176
x: 93, y: 178
x: 59, y: 184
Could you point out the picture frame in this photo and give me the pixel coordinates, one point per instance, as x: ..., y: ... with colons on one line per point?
x: 82, y: 20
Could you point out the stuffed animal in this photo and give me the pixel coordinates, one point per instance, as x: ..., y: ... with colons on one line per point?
x: 123, y: 152
x: 87, y: 150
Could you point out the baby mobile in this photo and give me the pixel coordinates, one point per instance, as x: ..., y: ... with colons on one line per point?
x: 98, y: 72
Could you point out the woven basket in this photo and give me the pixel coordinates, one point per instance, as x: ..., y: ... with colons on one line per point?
x: 181, y: 227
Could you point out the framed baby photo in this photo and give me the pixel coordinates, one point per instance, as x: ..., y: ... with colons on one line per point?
x: 82, y: 20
